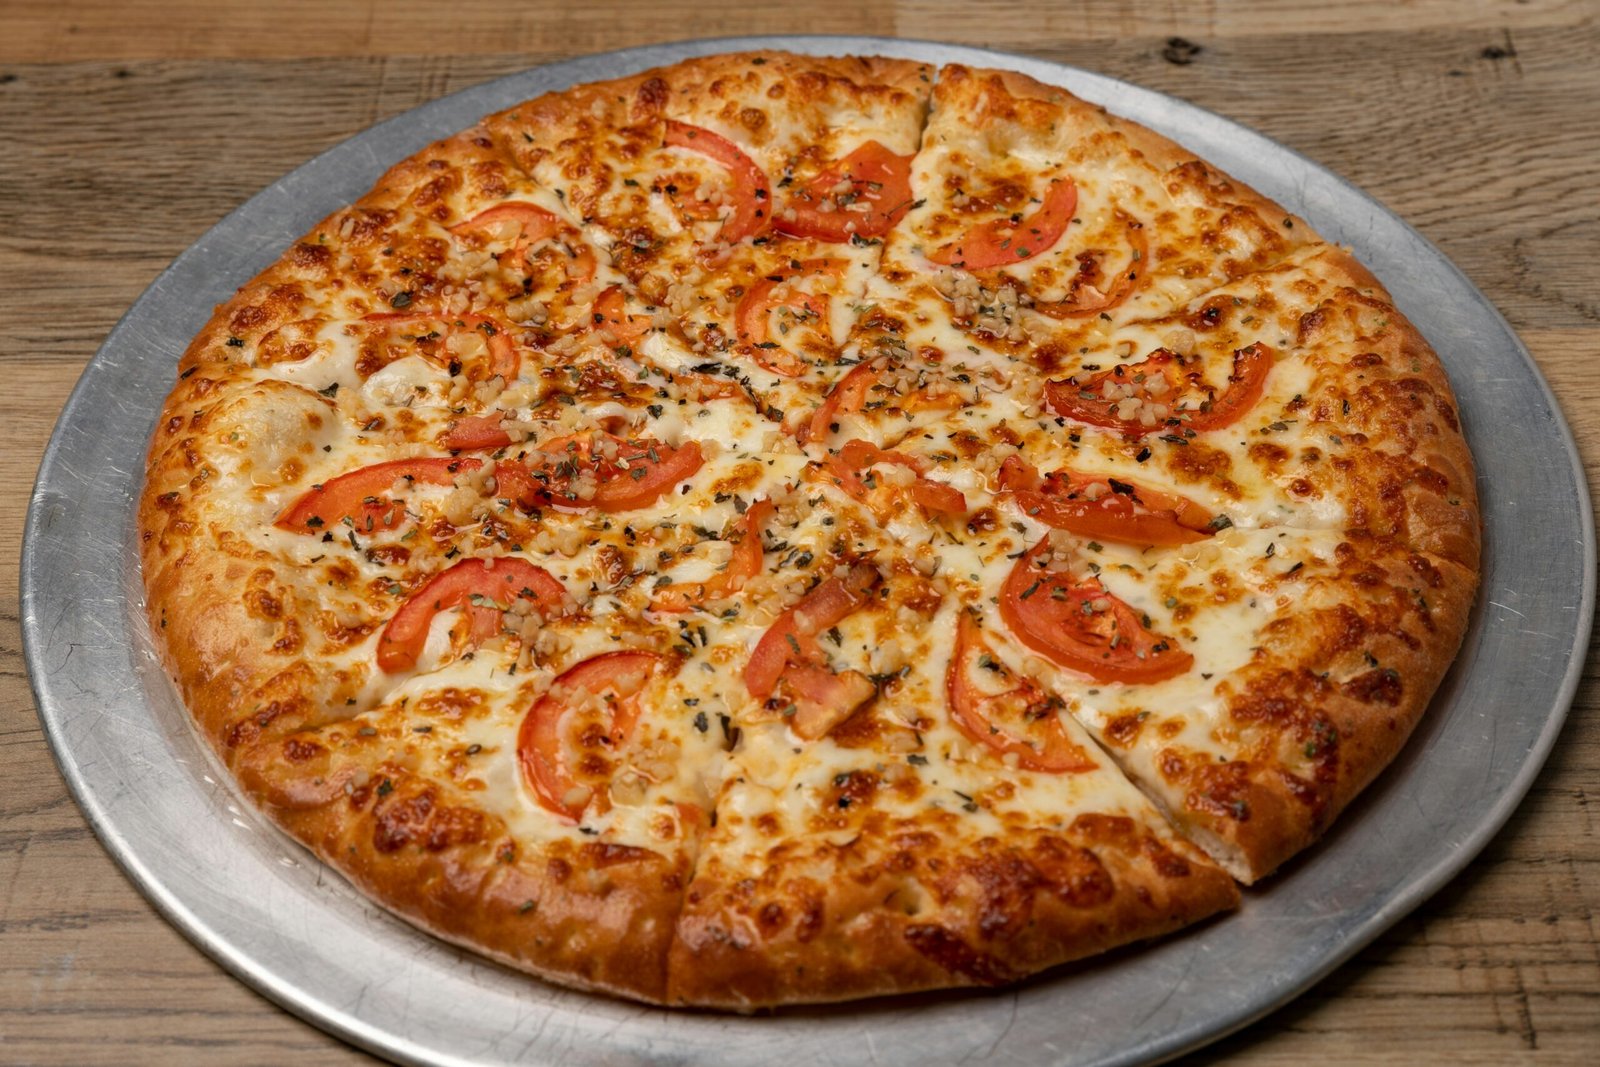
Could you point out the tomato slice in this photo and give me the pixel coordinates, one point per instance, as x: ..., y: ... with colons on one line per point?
x: 627, y: 473
x: 878, y: 197
x: 995, y: 708
x: 1158, y: 396
x: 846, y: 470
x: 1245, y: 386
x: 743, y: 566
x: 821, y: 699
x: 753, y: 318
x: 1079, y: 625
x: 617, y: 678
x: 611, y: 311
x: 1095, y: 505
x: 503, y: 357
x: 1002, y: 242
x: 750, y: 194
x: 848, y: 395
x: 792, y: 637
x: 359, y: 499
x: 532, y: 224
x: 864, y: 389
x: 1088, y: 293
x: 473, y: 432
x: 484, y: 591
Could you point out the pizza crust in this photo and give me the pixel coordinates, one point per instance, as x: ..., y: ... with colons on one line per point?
x: 900, y: 913
x: 594, y: 916
x: 273, y: 638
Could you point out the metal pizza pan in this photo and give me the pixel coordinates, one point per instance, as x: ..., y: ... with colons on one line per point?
x: 275, y: 917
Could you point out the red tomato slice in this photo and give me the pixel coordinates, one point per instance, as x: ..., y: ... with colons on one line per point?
x: 993, y: 707
x: 1245, y: 386
x: 1158, y: 411
x: 484, y: 592
x: 754, y: 315
x: 750, y: 195
x: 792, y: 638
x: 629, y: 473
x: 745, y: 565
x: 611, y: 311
x: 503, y: 357
x: 878, y: 179
x: 533, y: 225
x: 1080, y: 626
x: 617, y: 678
x: 1088, y: 293
x: 473, y: 432
x: 359, y: 499
x: 822, y: 699
x: 1102, y: 507
x: 846, y: 471
x: 862, y: 390
x: 848, y: 395
x: 1001, y: 242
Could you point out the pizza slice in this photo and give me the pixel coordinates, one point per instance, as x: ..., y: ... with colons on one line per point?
x: 904, y: 807
x: 671, y: 170
x: 1280, y: 556
x: 1022, y: 187
x: 1253, y: 682
x: 548, y: 816
x: 424, y: 662
x: 1039, y: 224
x: 429, y: 708
x: 745, y: 196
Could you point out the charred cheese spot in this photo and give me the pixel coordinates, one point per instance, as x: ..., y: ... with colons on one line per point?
x: 950, y: 952
x: 299, y: 750
x: 1378, y: 686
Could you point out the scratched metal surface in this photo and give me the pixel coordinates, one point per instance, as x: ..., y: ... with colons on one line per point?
x: 277, y: 919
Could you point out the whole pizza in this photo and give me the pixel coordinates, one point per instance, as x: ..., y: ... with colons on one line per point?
x: 779, y: 529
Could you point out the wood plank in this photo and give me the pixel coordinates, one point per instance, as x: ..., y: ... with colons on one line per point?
x: 1022, y: 25
x: 143, y: 29
x: 195, y: 29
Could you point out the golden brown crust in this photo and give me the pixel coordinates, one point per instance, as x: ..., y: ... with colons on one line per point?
x: 1327, y: 700
x: 903, y: 910
x: 1402, y: 409
x: 594, y: 915
x: 274, y: 658
x: 229, y: 628
x: 345, y: 245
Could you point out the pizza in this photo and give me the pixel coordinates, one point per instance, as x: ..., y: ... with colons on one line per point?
x: 779, y: 529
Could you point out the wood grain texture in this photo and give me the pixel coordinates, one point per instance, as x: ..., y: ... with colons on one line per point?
x: 133, y: 126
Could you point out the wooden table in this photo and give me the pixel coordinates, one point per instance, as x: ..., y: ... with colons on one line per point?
x: 130, y: 126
